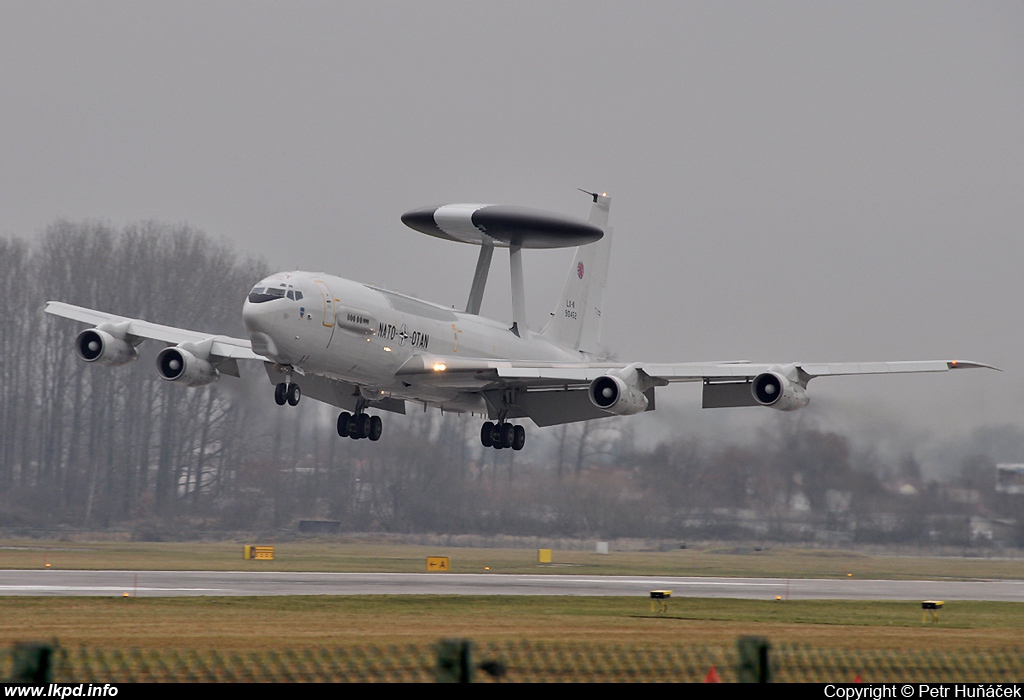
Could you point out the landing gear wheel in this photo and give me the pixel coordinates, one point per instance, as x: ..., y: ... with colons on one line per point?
x: 508, y: 433
x: 344, y: 421
x: 496, y: 437
x: 486, y: 434
x: 281, y: 393
x: 518, y: 438
x: 294, y: 394
x: 359, y: 427
x: 376, y: 428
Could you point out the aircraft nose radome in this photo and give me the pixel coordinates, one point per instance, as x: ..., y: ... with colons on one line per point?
x: 255, y: 319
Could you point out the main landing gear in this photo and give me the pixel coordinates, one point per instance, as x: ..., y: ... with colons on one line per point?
x: 501, y: 435
x: 360, y: 425
x: 287, y: 392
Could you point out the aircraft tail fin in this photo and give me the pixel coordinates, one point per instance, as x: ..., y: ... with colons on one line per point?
x: 576, y: 321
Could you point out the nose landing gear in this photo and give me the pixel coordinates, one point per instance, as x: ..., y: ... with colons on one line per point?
x: 502, y: 435
x: 287, y: 392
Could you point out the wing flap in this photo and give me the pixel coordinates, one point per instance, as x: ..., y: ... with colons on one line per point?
x: 557, y: 407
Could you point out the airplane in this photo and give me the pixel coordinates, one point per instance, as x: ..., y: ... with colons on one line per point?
x: 359, y: 347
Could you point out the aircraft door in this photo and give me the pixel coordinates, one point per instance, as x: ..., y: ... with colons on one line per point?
x: 328, y: 300
x: 330, y: 310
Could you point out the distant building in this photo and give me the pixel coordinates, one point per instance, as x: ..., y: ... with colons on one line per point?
x: 1010, y: 479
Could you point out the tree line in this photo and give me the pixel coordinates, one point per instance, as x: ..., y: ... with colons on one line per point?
x: 93, y: 447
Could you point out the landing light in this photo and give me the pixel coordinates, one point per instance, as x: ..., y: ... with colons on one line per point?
x: 387, y: 349
x: 440, y: 367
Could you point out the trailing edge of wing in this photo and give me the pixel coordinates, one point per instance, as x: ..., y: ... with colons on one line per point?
x: 222, y: 346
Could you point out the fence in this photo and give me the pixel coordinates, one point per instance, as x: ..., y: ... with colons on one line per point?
x: 515, y: 662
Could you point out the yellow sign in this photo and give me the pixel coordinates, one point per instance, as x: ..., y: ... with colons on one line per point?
x: 659, y: 600
x: 933, y: 607
x: 254, y: 552
x: 544, y: 556
x: 438, y: 564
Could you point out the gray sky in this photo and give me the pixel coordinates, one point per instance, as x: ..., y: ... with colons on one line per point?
x: 790, y: 180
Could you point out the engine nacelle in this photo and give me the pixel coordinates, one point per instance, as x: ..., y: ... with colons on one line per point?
x: 615, y: 395
x: 776, y: 391
x: 95, y: 345
x: 179, y: 365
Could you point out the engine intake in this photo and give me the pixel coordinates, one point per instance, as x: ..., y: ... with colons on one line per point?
x: 776, y: 391
x: 615, y: 395
x: 95, y: 345
x: 176, y: 364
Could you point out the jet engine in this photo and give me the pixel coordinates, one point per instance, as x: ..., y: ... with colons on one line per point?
x: 776, y: 391
x: 614, y: 394
x: 95, y: 345
x: 176, y: 364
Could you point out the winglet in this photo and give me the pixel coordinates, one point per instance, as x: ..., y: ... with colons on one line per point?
x: 965, y: 364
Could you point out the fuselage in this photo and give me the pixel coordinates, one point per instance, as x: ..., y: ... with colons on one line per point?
x: 362, y: 334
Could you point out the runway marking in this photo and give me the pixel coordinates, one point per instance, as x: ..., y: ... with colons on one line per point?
x: 103, y: 588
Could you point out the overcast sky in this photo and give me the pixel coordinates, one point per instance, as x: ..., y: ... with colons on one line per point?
x: 789, y: 180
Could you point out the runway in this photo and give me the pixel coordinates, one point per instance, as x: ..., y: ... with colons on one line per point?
x: 48, y: 582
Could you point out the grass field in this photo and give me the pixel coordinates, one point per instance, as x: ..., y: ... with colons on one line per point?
x: 264, y: 623
x: 317, y: 621
x: 782, y: 562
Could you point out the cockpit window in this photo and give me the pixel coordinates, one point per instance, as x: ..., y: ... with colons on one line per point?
x: 261, y: 294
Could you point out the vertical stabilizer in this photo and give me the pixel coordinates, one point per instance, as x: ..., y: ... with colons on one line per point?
x: 576, y: 321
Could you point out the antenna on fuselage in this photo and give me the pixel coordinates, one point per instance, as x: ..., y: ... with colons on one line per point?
x: 494, y: 225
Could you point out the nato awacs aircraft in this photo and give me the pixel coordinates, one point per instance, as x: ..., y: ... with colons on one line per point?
x: 363, y: 348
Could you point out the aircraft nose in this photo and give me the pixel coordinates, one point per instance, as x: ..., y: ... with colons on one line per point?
x: 255, y: 319
x: 258, y: 324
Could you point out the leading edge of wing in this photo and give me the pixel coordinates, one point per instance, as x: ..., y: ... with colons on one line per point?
x: 223, y: 346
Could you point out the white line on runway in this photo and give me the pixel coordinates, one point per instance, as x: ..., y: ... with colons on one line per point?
x: 104, y: 588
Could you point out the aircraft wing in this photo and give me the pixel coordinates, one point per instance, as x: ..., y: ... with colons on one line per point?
x: 137, y: 329
x: 553, y: 393
x: 726, y: 371
x: 468, y: 371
